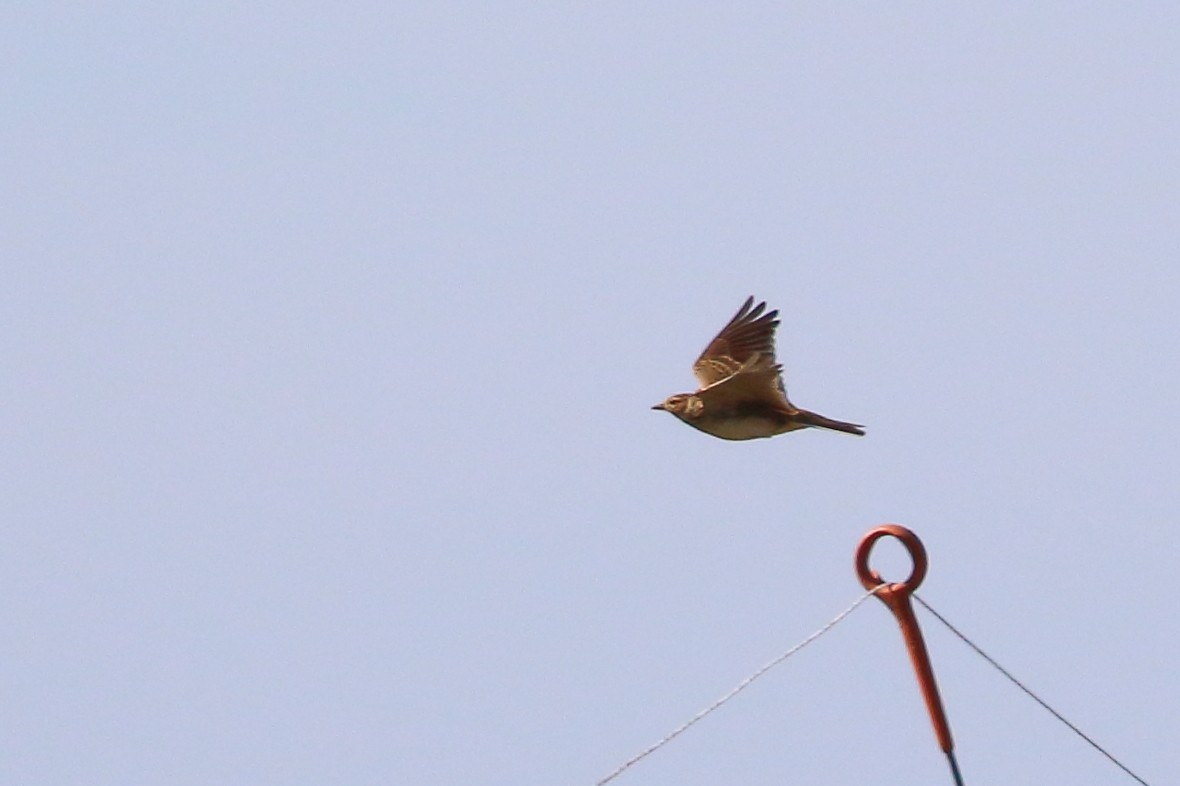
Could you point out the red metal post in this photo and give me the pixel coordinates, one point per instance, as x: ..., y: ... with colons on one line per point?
x: 897, y: 597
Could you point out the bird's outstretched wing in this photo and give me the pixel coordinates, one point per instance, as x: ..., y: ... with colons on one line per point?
x: 757, y: 383
x: 747, y: 339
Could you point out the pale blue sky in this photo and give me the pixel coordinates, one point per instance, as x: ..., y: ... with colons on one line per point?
x: 330, y: 337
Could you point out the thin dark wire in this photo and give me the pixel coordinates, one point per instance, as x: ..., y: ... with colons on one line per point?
x: 741, y: 686
x: 1021, y: 685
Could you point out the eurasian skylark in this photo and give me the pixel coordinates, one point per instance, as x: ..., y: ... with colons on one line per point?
x: 742, y: 394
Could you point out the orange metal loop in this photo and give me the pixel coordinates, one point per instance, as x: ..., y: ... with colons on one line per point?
x: 897, y: 597
x: 870, y: 579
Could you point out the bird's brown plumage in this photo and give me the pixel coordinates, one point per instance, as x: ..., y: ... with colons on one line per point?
x: 747, y: 336
x: 742, y: 395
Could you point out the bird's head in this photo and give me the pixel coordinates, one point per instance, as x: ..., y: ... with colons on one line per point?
x: 682, y: 405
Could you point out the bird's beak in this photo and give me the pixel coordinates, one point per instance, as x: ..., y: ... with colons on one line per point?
x: 658, y: 406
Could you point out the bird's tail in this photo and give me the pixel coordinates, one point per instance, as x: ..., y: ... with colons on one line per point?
x: 819, y: 421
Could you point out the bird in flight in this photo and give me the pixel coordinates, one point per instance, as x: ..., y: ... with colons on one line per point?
x: 742, y: 394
